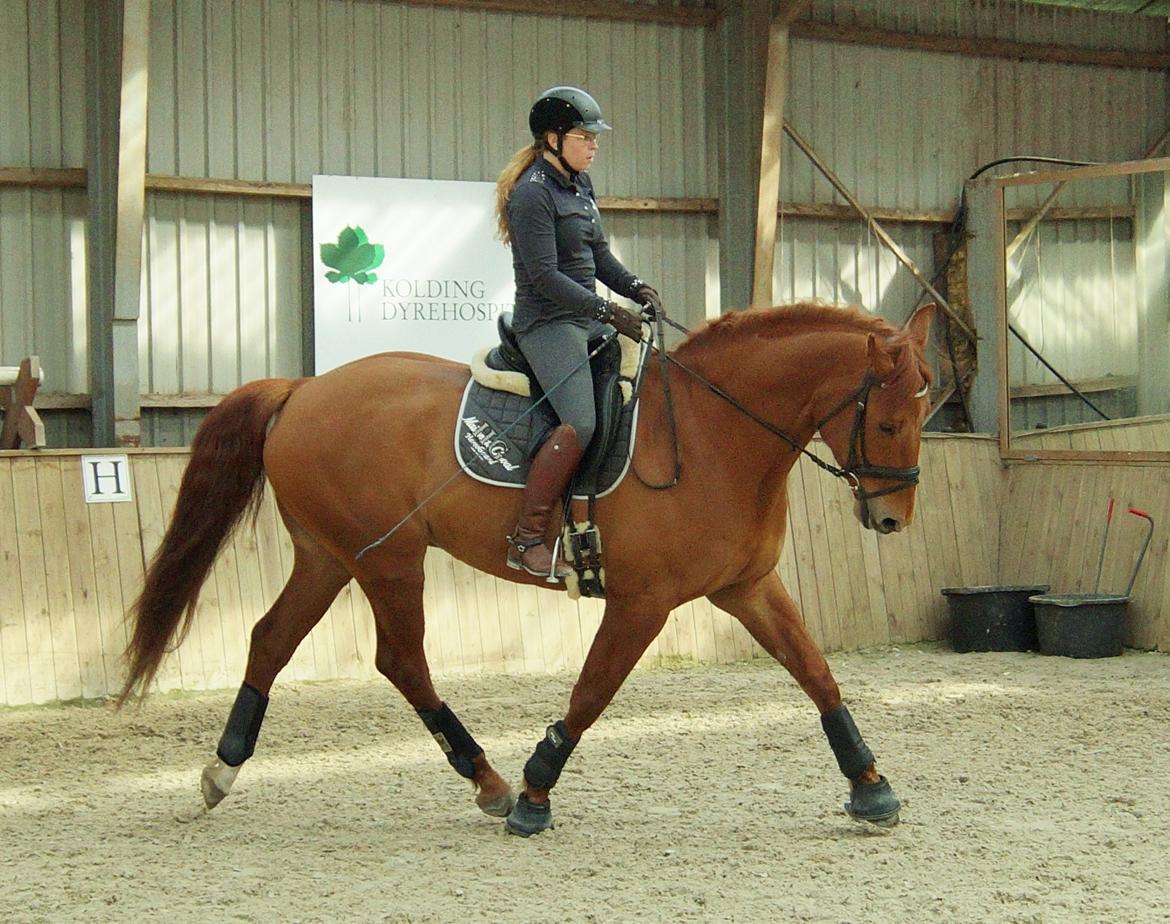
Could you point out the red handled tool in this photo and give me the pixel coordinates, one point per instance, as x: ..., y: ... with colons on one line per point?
x: 1145, y: 545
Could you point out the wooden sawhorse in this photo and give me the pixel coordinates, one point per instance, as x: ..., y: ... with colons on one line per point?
x: 18, y: 387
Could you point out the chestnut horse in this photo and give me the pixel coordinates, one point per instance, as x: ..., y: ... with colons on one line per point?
x: 363, y: 448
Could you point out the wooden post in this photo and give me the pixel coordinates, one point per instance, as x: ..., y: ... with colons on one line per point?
x: 130, y: 220
x: 117, y: 45
x: 771, y: 132
x: 768, y: 201
x: 987, y: 397
x: 22, y: 424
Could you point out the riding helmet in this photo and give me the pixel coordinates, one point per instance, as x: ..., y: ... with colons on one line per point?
x: 561, y: 108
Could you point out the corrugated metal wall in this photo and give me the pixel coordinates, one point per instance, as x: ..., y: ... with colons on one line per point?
x: 42, y: 231
x: 903, y: 128
x: 42, y: 282
x: 222, y: 292
x: 277, y: 91
x: 842, y: 261
x: 1072, y: 293
x: 269, y: 90
x: 1006, y: 19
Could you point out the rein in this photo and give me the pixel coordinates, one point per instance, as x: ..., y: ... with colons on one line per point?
x: 857, y: 464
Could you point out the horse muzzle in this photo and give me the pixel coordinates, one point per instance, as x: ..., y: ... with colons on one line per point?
x: 878, y: 515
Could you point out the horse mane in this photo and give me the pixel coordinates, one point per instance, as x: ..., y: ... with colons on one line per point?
x: 784, y: 321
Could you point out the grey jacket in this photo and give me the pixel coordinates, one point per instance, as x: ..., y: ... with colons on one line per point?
x: 558, y: 249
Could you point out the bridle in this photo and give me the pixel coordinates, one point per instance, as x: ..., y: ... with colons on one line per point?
x: 857, y: 464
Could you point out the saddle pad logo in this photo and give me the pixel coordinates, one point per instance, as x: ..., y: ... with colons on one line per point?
x: 485, y: 443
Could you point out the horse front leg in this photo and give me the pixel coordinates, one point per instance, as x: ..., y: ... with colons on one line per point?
x: 769, y: 614
x: 623, y: 636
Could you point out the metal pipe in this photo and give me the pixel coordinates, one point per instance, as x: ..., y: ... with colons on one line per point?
x: 1104, y: 541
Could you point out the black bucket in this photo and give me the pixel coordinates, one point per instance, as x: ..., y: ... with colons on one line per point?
x: 992, y: 618
x: 1081, y: 625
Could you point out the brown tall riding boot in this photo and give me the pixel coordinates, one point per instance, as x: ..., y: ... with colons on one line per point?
x: 548, y: 478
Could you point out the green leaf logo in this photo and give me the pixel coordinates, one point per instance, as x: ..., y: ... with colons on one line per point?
x: 352, y: 257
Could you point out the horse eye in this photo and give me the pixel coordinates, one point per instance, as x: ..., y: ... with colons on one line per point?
x: 888, y: 429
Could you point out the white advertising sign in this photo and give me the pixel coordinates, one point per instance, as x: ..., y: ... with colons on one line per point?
x: 406, y: 265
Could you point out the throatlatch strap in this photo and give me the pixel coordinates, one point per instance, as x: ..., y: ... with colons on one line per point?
x: 853, y: 757
x: 243, y: 726
x: 453, y: 738
x: 544, y: 767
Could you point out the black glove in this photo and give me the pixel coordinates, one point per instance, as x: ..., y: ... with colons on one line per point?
x: 623, y: 320
x: 651, y: 302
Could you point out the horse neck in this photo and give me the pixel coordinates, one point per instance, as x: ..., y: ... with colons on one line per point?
x: 788, y: 381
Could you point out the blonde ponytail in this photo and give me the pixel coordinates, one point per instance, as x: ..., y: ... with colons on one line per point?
x: 521, y: 161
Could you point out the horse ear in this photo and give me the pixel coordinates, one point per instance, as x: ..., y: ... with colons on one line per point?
x: 918, y: 327
x: 881, y: 360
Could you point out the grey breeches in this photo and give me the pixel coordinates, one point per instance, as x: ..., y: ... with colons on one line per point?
x: 557, y: 350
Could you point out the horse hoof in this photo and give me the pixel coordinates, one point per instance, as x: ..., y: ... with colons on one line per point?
x: 528, y: 818
x: 497, y: 806
x: 874, y: 802
x: 216, y: 782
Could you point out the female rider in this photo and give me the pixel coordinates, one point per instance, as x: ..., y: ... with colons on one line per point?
x: 548, y: 214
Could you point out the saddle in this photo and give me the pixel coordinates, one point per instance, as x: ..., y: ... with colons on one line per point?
x: 506, y: 395
x: 502, y: 422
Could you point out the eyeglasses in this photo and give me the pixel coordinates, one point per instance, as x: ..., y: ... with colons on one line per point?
x: 580, y: 136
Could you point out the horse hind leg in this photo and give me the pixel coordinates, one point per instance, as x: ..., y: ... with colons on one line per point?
x: 622, y: 638
x: 315, y: 582
x: 401, y: 659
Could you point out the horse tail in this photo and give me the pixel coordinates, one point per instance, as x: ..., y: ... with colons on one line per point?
x: 224, y: 479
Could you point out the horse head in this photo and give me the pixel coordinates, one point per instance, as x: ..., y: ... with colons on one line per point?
x: 876, y: 431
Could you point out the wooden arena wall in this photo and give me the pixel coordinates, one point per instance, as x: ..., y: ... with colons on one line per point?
x: 1131, y: 434
x: 1053, y: 528
x: 69, y: 570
